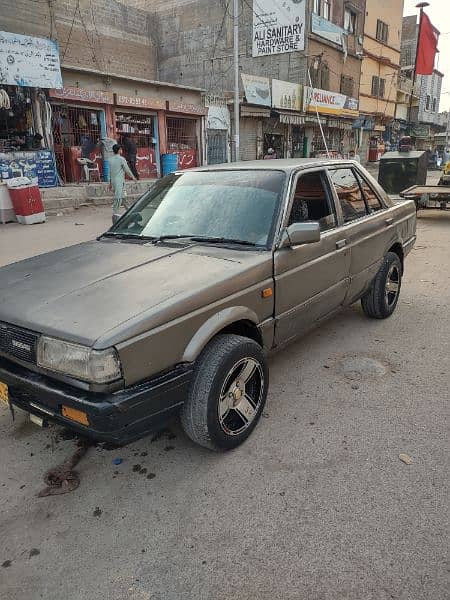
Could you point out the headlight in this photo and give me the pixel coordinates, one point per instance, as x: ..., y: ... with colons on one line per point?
x: 95, y: 366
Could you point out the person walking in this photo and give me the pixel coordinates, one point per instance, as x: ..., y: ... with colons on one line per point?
x: 130, y: 147
x: 118, y: 169
x: 270, y: 154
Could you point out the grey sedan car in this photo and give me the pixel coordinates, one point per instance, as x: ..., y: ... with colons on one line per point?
x: 176, y: 307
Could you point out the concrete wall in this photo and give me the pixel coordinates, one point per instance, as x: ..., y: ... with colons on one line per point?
x: 381, y: 59
x: 105, y: 35
x: 195, y: 46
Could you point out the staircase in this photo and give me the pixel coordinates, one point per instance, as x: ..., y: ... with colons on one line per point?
x: 65, y: 199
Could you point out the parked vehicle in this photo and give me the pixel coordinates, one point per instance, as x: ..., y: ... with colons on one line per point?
x: 176, y: 307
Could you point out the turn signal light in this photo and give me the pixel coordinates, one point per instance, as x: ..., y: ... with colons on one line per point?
x: 267, y: 293
x: 75, y: 415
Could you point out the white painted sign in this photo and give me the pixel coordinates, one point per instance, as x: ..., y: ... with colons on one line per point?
x: 278, y: 27
x: 286, y: 95
x: 327, y: 30
x: 29, y: 61
x: 257, y: 89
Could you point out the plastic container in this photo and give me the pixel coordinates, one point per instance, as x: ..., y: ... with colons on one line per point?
x: 169, y: 163
x: 7, y: 213
x: 27, y: 201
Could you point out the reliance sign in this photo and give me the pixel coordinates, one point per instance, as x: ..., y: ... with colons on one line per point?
x: 329, y: 103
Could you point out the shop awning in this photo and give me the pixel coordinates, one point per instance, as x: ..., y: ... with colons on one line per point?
x: 254, y: 111
x: 290, y: 118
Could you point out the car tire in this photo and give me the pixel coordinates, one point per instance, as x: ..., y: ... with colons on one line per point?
x: 227, y: 394
x: 381, y: 299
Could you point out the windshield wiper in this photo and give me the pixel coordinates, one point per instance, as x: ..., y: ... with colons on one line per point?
x: 222, y: 240
x: 127, y: 236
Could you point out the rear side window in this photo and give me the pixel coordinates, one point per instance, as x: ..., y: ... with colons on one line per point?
x: 349, y: 193
x: 373, y: 202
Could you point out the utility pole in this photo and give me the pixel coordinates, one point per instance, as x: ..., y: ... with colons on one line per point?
x: 236, y: 77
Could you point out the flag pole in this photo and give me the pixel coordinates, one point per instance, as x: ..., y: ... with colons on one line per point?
x: 421, y: 5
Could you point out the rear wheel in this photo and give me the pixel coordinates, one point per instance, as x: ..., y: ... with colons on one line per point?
x: 228, y: 393
x: 380, y: 301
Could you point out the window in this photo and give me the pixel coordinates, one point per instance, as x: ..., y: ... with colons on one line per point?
x: 350, y: 21
x: 349, y: 194
x: 312, y: 202
x: 373, y: 202
x: 382, y: 31
x: 320, y: 76
x: 347, y: 85
x: 427, y: 102
x: 322, y: 8
x: 434, y: 104
x: 378, y: 86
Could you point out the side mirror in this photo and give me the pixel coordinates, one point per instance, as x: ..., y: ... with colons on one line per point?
x: 300, y: 233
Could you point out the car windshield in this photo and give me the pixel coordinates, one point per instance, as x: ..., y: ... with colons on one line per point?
x: 213, y: 206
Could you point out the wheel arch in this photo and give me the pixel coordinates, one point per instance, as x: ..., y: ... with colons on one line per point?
x: 239, y: 320
x: 397, y: 249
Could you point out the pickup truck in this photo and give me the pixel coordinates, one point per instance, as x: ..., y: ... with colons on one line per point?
x: 176, y: 308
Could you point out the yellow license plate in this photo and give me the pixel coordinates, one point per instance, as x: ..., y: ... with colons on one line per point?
x: 4, y: 394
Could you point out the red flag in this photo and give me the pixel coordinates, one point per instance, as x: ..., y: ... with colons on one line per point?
x: 427, y: 46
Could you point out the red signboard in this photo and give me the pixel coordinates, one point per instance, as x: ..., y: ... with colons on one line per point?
x: 80, y: 94
x: 146, y: 163
x: 188, y: 109
x: 187, y: 159
x: 140, y: 102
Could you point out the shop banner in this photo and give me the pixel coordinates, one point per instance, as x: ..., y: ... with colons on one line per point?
x: 278, y: 27
x: 75, y: 94
x: 329, y: 103
x: 140, y: 102
x: 256, y: 89
x: 38, y: 165
x: 328, y: 30
x: 188, y: 109
x: 29, y: 61
x: 286, y: 95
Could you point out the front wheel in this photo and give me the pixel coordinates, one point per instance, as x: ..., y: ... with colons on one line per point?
x: 228, y: 393
x: 380, y: 301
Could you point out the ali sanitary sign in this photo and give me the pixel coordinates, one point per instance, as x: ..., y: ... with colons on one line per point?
x: 329, y: 103
x: 278, y: 27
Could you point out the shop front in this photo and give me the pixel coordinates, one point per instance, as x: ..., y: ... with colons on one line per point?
x: 25, y: 139
x: 337, y: 113
x: 78, y: 125
x: 136, y: 129
x: 184, y: 132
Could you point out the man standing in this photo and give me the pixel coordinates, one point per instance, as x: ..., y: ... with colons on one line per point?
x: 118, y: 169
x: 130, y: 147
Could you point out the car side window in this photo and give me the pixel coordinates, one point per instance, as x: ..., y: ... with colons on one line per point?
x: 313, y: 202
x: 349, y: 193
x: 373, y: 202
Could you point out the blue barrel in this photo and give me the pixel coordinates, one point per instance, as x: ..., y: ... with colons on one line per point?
x: 169, y: 163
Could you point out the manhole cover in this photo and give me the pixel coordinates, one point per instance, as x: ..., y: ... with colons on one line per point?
x: 362, y: 367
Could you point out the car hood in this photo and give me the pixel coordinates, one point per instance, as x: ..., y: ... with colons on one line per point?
x: 84, y: 292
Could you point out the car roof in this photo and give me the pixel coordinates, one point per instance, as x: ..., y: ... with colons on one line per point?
x: 287, y: 165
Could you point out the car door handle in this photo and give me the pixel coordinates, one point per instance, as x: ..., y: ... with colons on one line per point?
x: 341, y: 244
x: 389, y: 222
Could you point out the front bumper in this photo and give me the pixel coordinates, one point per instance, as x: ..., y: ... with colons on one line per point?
x: 119, y: 417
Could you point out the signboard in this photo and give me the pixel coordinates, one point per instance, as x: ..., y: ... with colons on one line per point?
x: 326, y: 29
x: 29, y: 61
x: 278, y: 27
x: 189, y: 109
x: 218, y: 118
x: 74, y: 93
x: 140, y: 102
x: 286, y: 95
x: 257, y: 89
x: 329, y: 103
x: 38, y: 165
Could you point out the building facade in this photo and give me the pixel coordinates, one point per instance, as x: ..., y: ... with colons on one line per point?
x: 424, y: 114
x: 379, y: 75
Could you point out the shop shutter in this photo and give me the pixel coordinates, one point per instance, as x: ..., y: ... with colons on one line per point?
x: 248, y: 139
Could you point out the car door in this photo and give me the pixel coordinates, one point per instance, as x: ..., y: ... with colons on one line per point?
x: 311, y: 280
x: 366, y: 226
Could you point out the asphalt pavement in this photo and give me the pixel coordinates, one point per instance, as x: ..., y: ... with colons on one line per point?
x: 317, y: 505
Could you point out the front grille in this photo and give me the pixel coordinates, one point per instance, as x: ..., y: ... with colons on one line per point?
x: 18, y: 343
